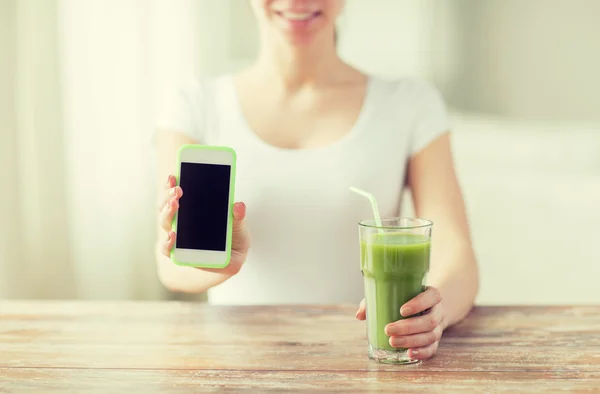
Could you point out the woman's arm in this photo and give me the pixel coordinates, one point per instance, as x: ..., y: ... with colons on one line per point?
x: 453, y: 277
x: 437, y: 197
x: 172, y: 276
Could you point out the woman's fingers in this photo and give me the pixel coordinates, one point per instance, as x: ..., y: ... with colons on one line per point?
x: 361, y: 314
x: 423, y: 353
x: 422, y: 302
x: 240, y: 238
x: 171, y: 190
x: 170, y: 203
x: 170, y: 193
x: 171, y: 181
x: 239, y: 213
x: 167, y: 214
x: 168, y: 244
x: 417, y: 340
x: 419, y: 334
x: 415, y: 325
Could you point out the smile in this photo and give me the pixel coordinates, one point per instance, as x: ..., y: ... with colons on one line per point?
x: 298, y: 16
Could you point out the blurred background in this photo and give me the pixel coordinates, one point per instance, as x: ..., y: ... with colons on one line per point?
x: 82, y: 80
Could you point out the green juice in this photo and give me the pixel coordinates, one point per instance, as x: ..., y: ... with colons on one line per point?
x: 394, y: 266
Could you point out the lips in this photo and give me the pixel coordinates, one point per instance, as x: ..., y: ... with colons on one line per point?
x: 297, y: 16
x: 298, y: 19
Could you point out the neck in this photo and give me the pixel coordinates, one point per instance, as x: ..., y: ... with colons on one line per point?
x: 299, y: 66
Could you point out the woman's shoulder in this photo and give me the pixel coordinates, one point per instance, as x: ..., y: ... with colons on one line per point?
x: 415, y: 105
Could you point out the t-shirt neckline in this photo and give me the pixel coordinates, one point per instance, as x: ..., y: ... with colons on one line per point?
x: 355, y: 130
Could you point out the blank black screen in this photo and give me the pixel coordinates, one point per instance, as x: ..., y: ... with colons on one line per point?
x: 203, y: 208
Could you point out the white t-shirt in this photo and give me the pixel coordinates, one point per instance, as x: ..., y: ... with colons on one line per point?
x: 301, y: 216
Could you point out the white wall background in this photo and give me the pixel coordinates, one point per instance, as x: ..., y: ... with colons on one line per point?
x: 532, y: 190
x: 119, y: 59
x: 34, y: 259
x: 531, y: 59
x: 8, y: 139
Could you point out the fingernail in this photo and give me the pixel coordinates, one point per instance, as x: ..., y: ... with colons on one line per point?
x: 406, y: 311
x: 399, y: 341
x: 414, y: 353
x: 172, y: 192
x: 168, y: 237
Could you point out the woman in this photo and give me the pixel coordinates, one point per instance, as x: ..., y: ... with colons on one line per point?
x: 306, y: 126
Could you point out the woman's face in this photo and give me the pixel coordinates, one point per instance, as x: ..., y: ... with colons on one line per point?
x: 297, y: 21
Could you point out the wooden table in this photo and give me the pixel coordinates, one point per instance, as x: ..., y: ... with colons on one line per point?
x: 169, y: 347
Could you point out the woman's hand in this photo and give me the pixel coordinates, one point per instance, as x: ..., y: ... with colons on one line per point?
x: 420, y: 334
x: 240, y: 239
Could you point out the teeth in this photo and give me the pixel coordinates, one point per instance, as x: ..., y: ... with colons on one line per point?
x: 297, y: 16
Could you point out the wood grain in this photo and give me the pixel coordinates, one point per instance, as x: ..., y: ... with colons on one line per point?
x: 174, y: 346
x: 185, y: 381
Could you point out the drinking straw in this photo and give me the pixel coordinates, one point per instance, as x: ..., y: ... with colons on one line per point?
x: 371, y: 198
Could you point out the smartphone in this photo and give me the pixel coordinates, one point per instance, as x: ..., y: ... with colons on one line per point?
x: 204, y: 220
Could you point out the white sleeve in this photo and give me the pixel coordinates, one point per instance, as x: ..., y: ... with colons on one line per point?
x: 181, y: 110
x: 431, y: 119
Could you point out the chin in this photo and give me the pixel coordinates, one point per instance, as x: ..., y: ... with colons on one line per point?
x: 299, y: 40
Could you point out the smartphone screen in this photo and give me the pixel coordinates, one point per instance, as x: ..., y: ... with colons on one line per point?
x: 203, y: 208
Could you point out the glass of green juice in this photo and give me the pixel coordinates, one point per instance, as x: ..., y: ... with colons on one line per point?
x: 394, y: 259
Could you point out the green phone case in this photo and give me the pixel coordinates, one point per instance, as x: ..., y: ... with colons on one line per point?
x: 231, y: 202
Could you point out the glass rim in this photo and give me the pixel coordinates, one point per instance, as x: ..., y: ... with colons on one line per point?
x: 417, y: 223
